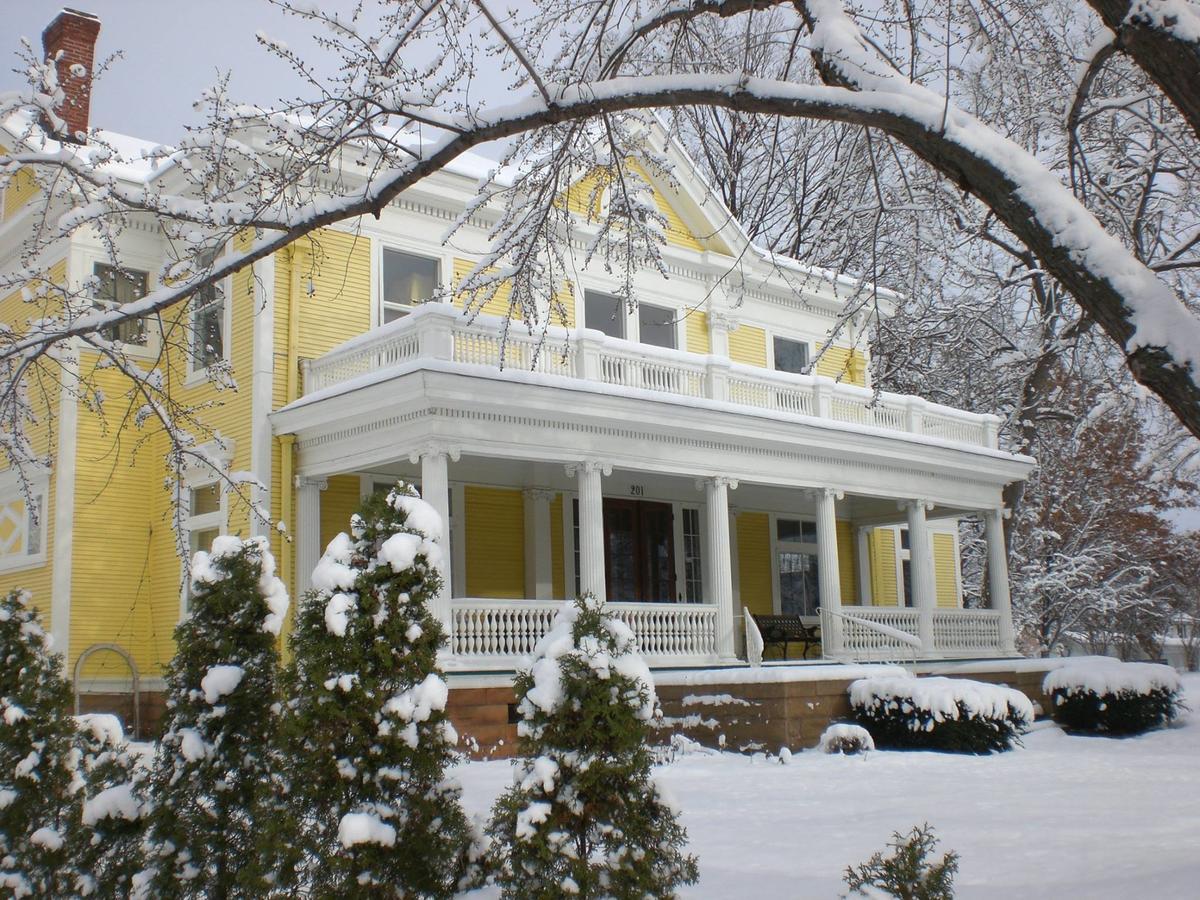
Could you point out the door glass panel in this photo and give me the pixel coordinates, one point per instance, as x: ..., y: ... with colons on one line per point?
x: 620, y: 536
x: 798, y: 583
x: 658, y: 542
x: 692, y: 561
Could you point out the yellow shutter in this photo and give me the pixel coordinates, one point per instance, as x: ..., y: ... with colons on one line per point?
x: 754, y: 562
x: 557, y: 561
x: 882, y: 542
x: 696, y: 325
x: 847, y: 563
x: 748, y: 345
x: 945, y: 570
x: 495, y: 538
x: 339, y: 502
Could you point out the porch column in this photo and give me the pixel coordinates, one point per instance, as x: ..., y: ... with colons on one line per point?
x: 718, y: 551
x: 308, y: 530
x: 829, y: 579
x: 993, y: 530
x: 921, y: 561
x: 435, y: 490
x: 591, y: 526
x: 539, y: 567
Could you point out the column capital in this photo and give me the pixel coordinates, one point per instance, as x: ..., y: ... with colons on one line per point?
x: 303, y: 481
x: 906, y: 505
x: 717, y: 481
x: 835, y: 493
x: 435, y: 449
x: 539, y: 493
x: 724, y: 321
x: 588, y: 465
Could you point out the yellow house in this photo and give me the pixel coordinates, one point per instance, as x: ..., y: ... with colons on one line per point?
x: 715, y: 452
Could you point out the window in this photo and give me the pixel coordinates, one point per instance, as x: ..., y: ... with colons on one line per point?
x: 203, y: 523
x: 116, y: 287
x: 22, y: 523
x: 904, y: 551
x: 656, y: 325
x: 693, y: 563
x: 791, y: 356
x: 604, y: 312
x: 796, y: 550
x: 408, y: 280
x: 208, y: 319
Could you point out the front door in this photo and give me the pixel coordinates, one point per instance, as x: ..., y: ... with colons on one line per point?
x: 639, y: 551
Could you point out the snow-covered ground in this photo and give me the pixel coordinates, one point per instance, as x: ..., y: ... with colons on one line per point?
x: 1062, y: 817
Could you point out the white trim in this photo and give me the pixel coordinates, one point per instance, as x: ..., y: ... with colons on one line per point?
x: 677, y: 541
x: 64, y: 504
x: 458, y: 538
x: 263, y: 368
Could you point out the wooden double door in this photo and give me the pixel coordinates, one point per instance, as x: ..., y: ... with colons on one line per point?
x: 639, y: 551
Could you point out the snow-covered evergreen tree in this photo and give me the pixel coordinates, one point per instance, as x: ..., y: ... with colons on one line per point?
x: 584, y: 816
x: 39, y: 797
x: 107, y: 849
x: 368, y: 739
x: 210, y: 784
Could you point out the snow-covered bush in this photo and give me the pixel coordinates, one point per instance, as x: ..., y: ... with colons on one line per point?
x: 210, y: 790
x: 842, y: 737
x: 1113, y: 697
x: 583, y: 817
x: 367, y: 739
x: 907, y: 873
x: 107, y: 853
x: 953, y: 714
x: 39, y: 796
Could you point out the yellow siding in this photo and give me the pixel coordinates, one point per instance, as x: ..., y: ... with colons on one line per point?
x: 882, y: 542
x: 564, y: 316
x: 847, y: 563
x: 748, y: 345
x: 495, y: 537
x: 696, y: 324
x: 339, y: 307
x: 498, y: 304
x: 584, y: 198
x: 843, y: 364
x: 945, y: 570
x: 754, y: 562
x: 20, y: 190
x: 678, y: 233
x: 557, y: 559
x: 339, y: 501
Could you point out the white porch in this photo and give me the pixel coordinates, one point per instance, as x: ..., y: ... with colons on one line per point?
x: 599, y: 419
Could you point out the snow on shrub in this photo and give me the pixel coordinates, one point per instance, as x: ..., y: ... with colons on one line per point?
x: 367, y: 739
x: 1107, y: 695
x: 584, y: 816
x: 846, y: 738
x: 952, y: 714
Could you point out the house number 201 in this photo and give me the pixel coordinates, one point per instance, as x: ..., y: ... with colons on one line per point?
x: 636, y: 490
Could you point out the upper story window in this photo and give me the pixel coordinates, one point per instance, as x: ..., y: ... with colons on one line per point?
x: 656, y: 325
x: 116, y: 287
x: 204, y: 523
x: 604, y: 312
x: 208, y: 319
x: 408, y: 280
x: 791, y: 356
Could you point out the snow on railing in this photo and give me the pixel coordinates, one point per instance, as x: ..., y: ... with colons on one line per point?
x: 873, y: 632
x: 754, y: 639
x: 440, y: 331
x: 497, y: 633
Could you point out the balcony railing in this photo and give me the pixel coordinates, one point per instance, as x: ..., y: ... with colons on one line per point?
x: 892, y: 633
x: 439, y: 331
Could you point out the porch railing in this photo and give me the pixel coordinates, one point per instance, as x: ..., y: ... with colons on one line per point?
x: 497, y: 633
x: 888, y: 632
x: 439, y: 331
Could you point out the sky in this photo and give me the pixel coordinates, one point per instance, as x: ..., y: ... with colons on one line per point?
x: 171, y: 51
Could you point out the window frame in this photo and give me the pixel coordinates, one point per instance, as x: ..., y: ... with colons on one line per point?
x: 778, y: 546
x: 674, y: 325
x: 225, y: 285
x: 623, y: 319
x: 194, y: 524
x: 106, y: 305
x: 795, y: 338
x: 379, y: 304
x: 10, y: 492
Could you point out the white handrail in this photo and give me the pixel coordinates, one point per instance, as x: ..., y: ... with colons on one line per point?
x: 754, y: 639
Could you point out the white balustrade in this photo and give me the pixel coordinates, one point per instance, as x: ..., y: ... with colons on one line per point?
x: 967, y: 632
x: 440, y: 331
x: 497, y: 633
x: 875, y: 632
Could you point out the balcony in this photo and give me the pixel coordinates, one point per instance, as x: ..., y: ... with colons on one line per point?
x: 441, y: 332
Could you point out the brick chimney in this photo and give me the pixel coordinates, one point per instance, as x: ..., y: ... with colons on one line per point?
x: 70, y: 41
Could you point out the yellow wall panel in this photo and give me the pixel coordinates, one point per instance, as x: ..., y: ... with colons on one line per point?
x: 564, y: 316
x: 847, y: 563
x: 495, y: 538
x: 339, y: 305
x: 754, y: 562
x: 557, y: 559
x: 497, y: 305
x: 882, y: 542
x: 339, y: 501
x: 20, y: 190
x: 945, y: 570
x: 584, y: 198
x: 843, y: 364
x: 696, y: 325
x: 748, y: 345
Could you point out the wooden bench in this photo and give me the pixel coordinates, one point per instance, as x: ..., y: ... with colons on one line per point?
x: 779, y: 631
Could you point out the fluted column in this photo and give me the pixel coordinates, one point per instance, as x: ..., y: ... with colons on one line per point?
x: 435, y: 490
x: 591, y: 526
x: 829, y: 579
x: 720, y: 567
x: 308, y: 529
x: 920, y: 553
x: 993, y: 530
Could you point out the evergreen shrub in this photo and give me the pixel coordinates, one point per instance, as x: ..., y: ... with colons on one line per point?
x: 908, y: 873
x: 1112, y: 697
